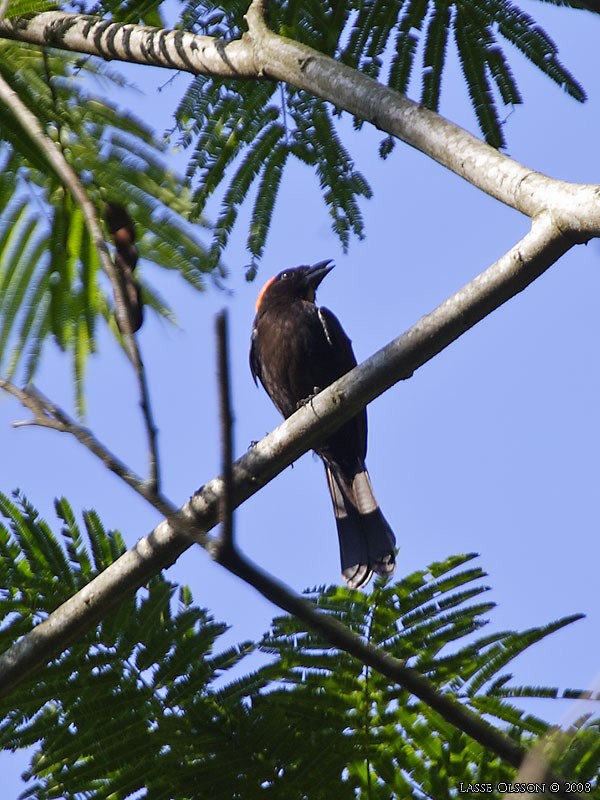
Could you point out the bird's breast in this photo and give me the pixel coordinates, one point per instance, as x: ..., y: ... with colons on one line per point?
x: 295, y: 355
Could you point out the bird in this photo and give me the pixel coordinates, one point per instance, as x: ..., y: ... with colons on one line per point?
x: 129, y: 295
x: 297, y: 349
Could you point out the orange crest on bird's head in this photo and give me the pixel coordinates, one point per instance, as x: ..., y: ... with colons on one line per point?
x: 263, y: 291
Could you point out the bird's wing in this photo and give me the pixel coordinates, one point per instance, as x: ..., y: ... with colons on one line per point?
x: 347, y: 447
x: 338, y: 341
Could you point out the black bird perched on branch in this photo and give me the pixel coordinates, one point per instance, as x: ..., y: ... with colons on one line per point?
x: 298, y: 349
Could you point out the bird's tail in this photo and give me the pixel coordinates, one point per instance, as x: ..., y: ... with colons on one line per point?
x: 367, y: 543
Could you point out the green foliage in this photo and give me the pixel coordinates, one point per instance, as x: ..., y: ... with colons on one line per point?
x: 386, y: 38
x: 243, y: 133
x: 400, y: 748
x: 145, y: 12
x: 248, y: 130
x: 150, y: 704
x: 133, y: 705
x: 252, y: 128
x: 51, y: 286
x: 16, y: 8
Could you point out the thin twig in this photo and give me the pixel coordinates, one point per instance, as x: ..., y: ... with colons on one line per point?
x: 226, y: 542
x: 47, y: 414
x: 145, y: 405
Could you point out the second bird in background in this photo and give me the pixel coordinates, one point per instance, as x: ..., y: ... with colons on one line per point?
x: 297, y: 350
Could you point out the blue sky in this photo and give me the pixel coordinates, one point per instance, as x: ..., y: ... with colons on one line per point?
x: 492, y: 447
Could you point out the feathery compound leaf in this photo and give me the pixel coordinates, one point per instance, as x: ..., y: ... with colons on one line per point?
x: 513, y: 716
x: 398, y: 735
x: 405, y: 44
x: 23, y: 242
x: 146, y: 12
x: 521, y: 30
x: 261, y: 156
x: 434, y: 56
x: 265, y: 199
x: 227, y: 123
x: 140, y: 705
x: 510, y: 647
x: 503, y: 77
x: 238, y: 127
x: 39, y: 574
x: 50, y: 267
x: 317, y: 143
x: 133, y: 706
x: 471, y: 43
x: 74, y: 544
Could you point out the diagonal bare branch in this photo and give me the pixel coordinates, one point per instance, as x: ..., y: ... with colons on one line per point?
x: 47, y: 414
x: 543, y: 245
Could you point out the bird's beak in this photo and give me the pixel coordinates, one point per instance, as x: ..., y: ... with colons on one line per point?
x: 317, y: 272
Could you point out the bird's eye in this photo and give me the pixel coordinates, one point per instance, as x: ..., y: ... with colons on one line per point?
x: 284, y: 275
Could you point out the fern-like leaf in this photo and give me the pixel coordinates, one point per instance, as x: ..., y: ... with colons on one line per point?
x: 50, y: 283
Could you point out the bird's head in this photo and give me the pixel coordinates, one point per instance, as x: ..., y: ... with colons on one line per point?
x: 299, y: 283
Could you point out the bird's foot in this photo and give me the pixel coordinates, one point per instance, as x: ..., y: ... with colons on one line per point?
x: 309, y: 399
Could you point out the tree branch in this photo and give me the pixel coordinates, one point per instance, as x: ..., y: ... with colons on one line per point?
x: 146, y: 408
x: 47, y: 414
x: 225, y: 543
x: 543, y: 245
x: 260, y: 54
x: 137, y: 44
x: 576, y: 206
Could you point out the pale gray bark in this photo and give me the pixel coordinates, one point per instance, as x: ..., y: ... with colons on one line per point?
x: 262, y: 54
